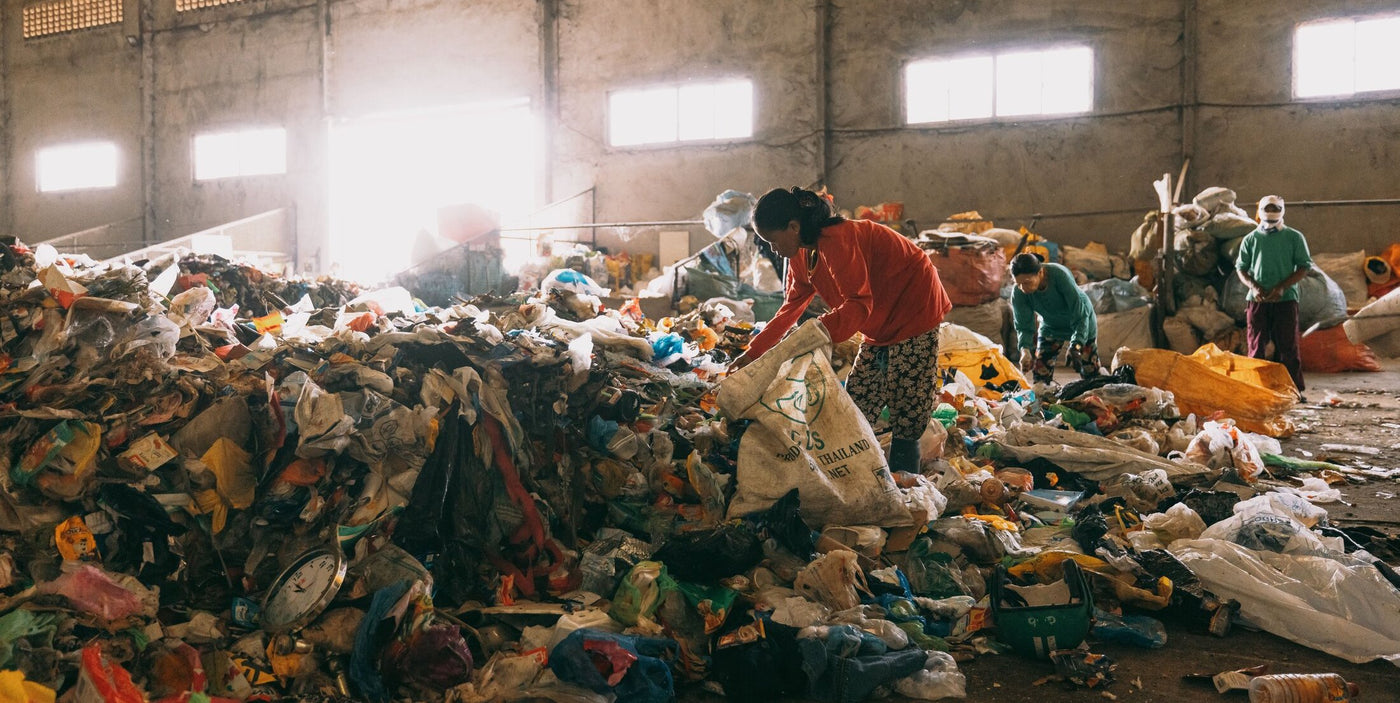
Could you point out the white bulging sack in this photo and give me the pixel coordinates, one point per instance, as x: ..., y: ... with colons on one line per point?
x: 807, y: 434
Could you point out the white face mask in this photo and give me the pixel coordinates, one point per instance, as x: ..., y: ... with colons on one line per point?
x: 1271, y: 220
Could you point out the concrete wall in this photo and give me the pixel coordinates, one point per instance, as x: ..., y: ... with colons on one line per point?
x: 245, y: 69
x: 1204, y: 78
x: 1104, y: 161
x: 605, y: 46
x: 62, y: 89
x: 1251, y: 135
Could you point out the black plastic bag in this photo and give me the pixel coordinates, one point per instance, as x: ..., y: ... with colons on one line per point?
x: 1124, y: 374
x: 1090, y: 526
x: 759, y: 662
x: 783, y: 522
x: 1212, y: 506
x: 1160, y: 562
x: 444, y: 521
x: 705, y: 556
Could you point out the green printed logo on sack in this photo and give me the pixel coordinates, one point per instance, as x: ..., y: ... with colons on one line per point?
x: 805, y: 396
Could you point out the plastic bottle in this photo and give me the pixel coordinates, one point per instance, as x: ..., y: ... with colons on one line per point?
x: 1302, y: 688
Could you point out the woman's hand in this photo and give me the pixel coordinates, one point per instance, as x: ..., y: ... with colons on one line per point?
x: 1027, y: 360
x: 740, y: 363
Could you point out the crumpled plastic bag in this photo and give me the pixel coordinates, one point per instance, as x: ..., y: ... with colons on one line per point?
x: 156, y: 333
x: 324, y: 427
x: 92, y: 590
x: 61, y: 462
x: 1283, y: 503
x: 796, y: 611
x: 938, y: 679
x: 15, y: 689
x: 834, y: 580
x: 1264, y: 530
x: 1094, y: 458
x: 1142, y: 491
x: 709, y: 555
x: 571, y: 281
x: 1345, y: 610
x: 436, y: 656
x: 1137, y: 438
x: 1178, y: 522
x: 101, y: 680
x: 192, y: 307
x: 730, y: 210
x: 1212, y: 380
x: 1315, y: 490
x: 1221, y: 445
x: 641, y: 593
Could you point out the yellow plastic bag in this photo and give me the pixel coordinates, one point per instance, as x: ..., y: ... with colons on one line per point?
x: 980, y: 358
x: 1211, y: 382
x: 1255, y: 372
x: 233, y: 472
x: 14, y: 689
x: 1048, y: 567
x: 988, y: 369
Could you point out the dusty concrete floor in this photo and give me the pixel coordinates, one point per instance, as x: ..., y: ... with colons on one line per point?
x: 1366, y: 401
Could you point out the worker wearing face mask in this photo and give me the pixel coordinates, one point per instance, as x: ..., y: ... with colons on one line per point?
x: 1273, y: 259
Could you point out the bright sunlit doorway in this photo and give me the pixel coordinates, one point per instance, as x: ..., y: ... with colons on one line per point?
x: 391, y: 173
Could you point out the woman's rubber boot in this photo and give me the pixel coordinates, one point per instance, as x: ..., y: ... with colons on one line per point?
x: 904, y: 455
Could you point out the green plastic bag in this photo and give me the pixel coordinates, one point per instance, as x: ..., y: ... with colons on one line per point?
x: 641, y: 593
x: 712, y: 602
x: 22, y: 625
x: 932, y: 573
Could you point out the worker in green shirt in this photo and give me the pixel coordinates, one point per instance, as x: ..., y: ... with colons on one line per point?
x: 1273, y: 259
x: 1066, y: 316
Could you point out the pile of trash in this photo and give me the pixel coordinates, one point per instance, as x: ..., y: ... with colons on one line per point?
x: 1210, y: 298
x: 537, y: 496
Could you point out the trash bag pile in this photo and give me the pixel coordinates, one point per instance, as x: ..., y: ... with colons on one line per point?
x: 538, y: 497
x: 1210, y: 298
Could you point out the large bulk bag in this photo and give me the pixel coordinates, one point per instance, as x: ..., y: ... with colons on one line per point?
x: 972, y: 275
x: 1212, y: 380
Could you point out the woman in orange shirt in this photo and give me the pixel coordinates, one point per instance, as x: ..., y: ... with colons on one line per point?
x: 876, y: 283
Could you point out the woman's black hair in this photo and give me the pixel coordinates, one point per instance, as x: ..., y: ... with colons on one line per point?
x: 1024, y: 264
x: 778, y: 207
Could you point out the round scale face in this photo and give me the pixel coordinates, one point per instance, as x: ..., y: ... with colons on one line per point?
x: 303, y: 591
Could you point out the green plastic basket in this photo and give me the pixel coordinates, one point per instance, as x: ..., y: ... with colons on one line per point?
x: 1036, y: 631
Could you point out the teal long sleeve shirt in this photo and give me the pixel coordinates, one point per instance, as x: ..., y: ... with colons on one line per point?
x: 1065, y: 311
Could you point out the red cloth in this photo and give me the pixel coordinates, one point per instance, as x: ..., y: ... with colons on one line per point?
x: 876, y: 282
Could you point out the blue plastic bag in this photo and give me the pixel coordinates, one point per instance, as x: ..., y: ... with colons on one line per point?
x: 633, y: 668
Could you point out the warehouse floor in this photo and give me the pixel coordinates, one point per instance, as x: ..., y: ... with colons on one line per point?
x: 1366, y: 402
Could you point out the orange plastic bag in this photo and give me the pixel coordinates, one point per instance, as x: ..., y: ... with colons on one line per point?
x: 1329, y: 351
x: 101, y: 679
x: 1211, y: 382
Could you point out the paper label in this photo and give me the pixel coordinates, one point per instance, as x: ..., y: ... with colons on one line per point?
x: 1231, y: 681
x: 149, y: 452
